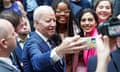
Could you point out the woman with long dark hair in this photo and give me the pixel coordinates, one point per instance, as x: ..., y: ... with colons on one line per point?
x: 66, y: 26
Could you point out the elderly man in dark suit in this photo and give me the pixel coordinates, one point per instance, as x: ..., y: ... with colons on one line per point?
x: 40, y: 54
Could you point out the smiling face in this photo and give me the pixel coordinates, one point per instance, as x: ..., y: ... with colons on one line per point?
x: 47, y: 24
x: 46, y: 21
x: 88, y: 22
x: 104, y: 10
x: 62, y: 13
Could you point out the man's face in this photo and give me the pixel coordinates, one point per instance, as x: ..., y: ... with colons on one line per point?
x: 11, y: 39
x: 47, y: 24
x: 23, y: 28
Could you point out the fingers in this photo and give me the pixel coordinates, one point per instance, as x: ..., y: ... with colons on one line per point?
x: 99, y: 41
x: 71, y: 45
x: 103, y: 49
x: 77, y: 43
x: 69, y: 40
x: 106, y: 41
x: 75, y: 38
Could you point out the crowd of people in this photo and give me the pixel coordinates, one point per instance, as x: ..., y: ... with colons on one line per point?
x: 52, y: 35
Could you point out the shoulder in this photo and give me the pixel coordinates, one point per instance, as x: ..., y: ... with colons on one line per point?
x: 33, y: 41
x: 4, y: 67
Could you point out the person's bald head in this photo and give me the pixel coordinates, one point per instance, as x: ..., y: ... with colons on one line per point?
x: 4, y: 28
x: 7, y: 38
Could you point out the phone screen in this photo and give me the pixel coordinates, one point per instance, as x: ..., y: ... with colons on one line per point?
x: 90, y: 41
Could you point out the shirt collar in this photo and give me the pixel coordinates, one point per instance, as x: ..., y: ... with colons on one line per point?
x: 42, y: 36
x: 6, y: 60
x: 19, y: 39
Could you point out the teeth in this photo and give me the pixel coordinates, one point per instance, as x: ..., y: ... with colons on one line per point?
x: 103, y: 14
x: 62, y: 18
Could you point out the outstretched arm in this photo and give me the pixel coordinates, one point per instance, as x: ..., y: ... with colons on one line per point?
x: 103, y: 52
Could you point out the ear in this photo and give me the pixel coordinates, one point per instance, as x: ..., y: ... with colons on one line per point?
x: 36, y: 23
x: 3, y: 43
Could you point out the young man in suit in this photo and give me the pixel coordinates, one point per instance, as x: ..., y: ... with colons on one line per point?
x: 7, y: 45
x: 23, y: 30
x: 40, y: 55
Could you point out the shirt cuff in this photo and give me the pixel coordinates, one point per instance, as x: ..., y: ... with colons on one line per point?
x: 54, y: 56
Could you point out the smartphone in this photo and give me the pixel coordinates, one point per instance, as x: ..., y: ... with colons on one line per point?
x: 90, y: 41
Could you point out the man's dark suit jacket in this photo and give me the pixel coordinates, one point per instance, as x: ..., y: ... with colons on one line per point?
x: 113, y: 66
x: 36, y: 56
x: 18, y: 51
x: 4, y: 67
x: 18, y: 55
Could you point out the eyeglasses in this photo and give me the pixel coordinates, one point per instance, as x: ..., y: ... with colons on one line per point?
x: 65, y: 11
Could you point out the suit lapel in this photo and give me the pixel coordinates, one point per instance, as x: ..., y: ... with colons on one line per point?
x: 19, y: 49
x: 43, y: 45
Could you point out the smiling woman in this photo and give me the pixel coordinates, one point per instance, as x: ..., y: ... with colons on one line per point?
x: 88, y: 20
x: 63, y: 14
x: 64, y: 25
x: 62, y: 11
x: 104, y: 10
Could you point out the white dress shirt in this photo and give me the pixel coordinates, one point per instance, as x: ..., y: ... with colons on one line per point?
x: 53, y: 54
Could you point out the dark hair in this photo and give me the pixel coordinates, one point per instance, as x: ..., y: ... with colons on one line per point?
x: 69, y: 25
x: 104, y: 0
x: 11, y: 16
x: 1, y: 5
x: 56, y: 2
x: 86, y: 11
